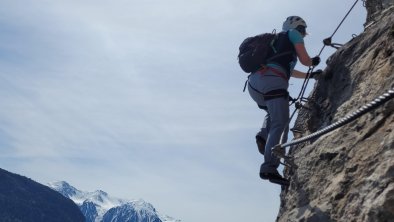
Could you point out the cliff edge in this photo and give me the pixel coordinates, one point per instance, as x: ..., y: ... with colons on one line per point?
x: 348, y: 174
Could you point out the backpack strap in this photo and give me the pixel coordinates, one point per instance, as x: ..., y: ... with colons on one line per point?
x: 276, y: 54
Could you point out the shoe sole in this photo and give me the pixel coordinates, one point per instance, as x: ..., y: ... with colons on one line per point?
x: 280, y: 181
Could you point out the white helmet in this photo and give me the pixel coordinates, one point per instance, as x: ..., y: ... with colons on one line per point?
x: 294, y: 22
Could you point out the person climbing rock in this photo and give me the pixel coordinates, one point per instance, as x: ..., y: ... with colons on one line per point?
x: 268, y: 88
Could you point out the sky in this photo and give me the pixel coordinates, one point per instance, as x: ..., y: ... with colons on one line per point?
x: 143, y: 99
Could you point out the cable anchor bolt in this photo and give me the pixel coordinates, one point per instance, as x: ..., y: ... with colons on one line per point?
x: 328, y: 42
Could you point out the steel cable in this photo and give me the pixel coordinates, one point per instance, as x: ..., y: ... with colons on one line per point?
x: 356, y: 114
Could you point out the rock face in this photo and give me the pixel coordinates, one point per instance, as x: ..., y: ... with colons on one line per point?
x: 348, y: 174
x: 22, y: 199
x: 374, y: 8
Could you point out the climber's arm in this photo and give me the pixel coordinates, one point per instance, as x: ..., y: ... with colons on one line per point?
x: 302, y: 54
x: 298, y: 74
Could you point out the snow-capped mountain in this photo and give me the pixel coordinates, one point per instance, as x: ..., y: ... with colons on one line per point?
x: 98, y: 206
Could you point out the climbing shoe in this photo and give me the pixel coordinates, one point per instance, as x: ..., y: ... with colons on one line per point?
x: 275, y: 178
x: 260, y: 141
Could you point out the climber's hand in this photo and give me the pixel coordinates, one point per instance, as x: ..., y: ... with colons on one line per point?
x: 315, y: 61
x: 316, y: 74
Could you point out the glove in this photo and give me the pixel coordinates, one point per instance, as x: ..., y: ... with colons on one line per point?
x: 315, y: 61
x: 316, y: 74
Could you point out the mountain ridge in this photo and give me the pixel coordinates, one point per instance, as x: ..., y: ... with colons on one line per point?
x: 99, y: 206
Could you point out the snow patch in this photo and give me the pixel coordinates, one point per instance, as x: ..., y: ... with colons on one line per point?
x: 103, y: 203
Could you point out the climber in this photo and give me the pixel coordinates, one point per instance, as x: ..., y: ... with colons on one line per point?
x: 268, y: 88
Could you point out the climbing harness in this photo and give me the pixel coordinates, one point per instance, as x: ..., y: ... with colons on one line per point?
x: 279, y: 150
x: 273, y: 94
x: 279, y: 73
x: 278, y: 93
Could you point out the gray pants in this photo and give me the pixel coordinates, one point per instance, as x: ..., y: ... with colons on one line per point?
x: 275, y: 122
x: 263, y: 133
x: 278, y: 111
